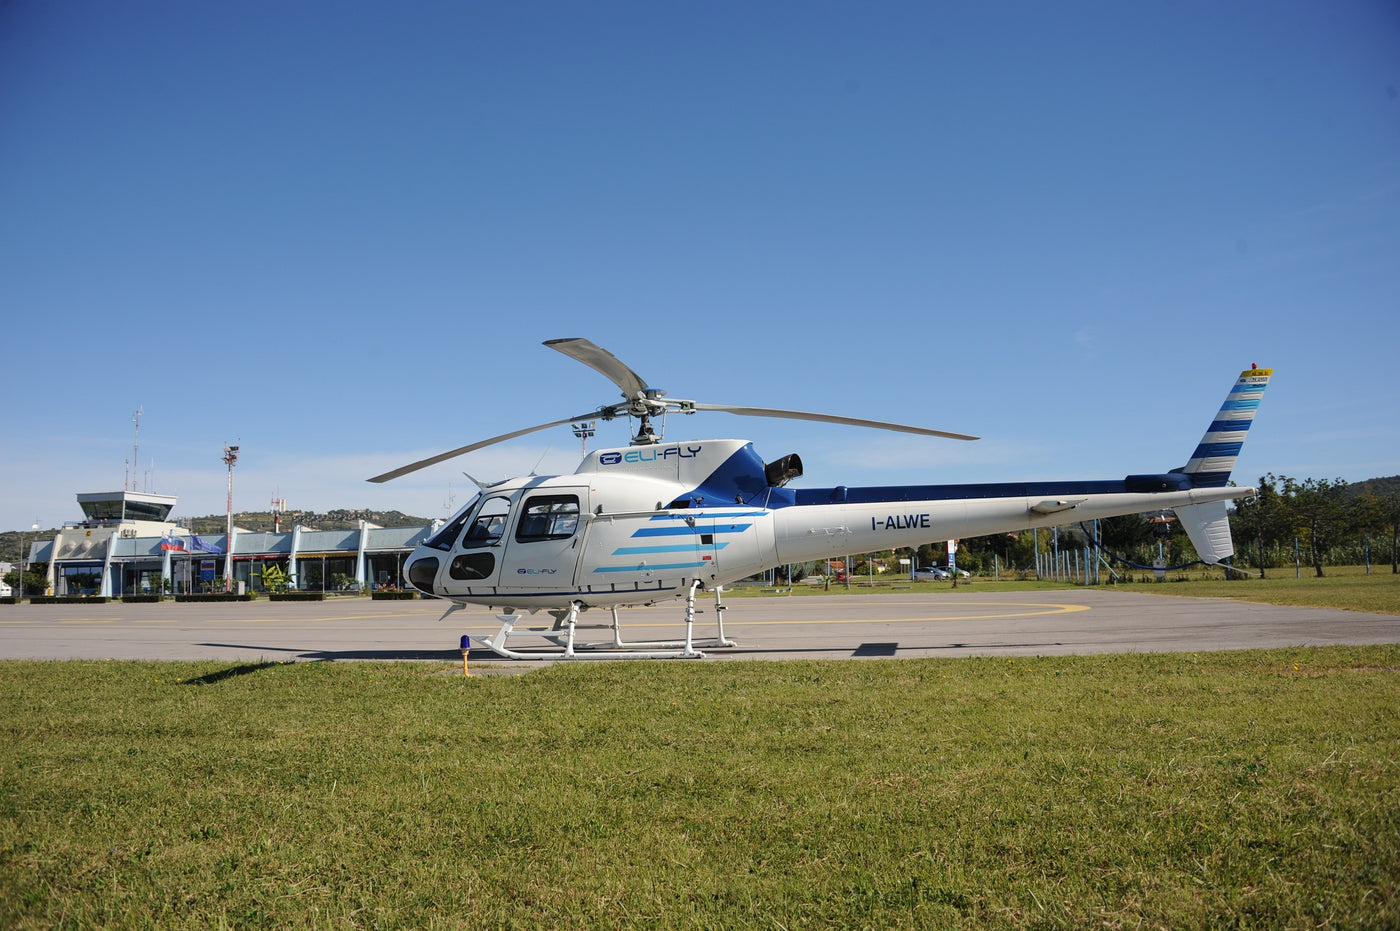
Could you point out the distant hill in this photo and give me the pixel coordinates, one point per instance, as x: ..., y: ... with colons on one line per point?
x: 1380, y: 487
x: 341, y: 519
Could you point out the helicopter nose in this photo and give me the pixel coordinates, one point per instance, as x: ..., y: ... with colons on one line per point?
x: 422, y: 572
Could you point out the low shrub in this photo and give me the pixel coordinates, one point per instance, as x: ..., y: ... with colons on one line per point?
x: 69, y: 600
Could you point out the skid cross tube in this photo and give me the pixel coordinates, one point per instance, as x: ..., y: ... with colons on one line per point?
x: 562, y: 633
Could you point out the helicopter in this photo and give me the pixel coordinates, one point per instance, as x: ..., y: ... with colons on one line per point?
x: 658, y: 521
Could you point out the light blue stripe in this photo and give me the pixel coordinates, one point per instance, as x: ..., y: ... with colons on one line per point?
x: 682, y: 531
x: 1241, y: 405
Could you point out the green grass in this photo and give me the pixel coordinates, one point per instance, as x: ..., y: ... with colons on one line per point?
x: 1347, y: 588
x: 1252, y: 790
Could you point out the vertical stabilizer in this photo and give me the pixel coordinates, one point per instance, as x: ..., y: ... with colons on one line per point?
x: 1215, y: 455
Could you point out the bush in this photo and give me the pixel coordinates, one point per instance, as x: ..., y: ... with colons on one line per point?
x: 393, y: 595
x: 217, y: 596
x: 297, y: 596
x: 68, y: 600
x: 140, y: 599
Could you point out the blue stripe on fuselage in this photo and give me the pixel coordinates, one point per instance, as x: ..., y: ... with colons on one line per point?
x: 808, y: 496
x: 685, y: 530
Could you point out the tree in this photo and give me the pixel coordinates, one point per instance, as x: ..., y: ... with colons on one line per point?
x: 1390, y: 516
x: 1263, y: 521
x: 274, y: 578
x: 1319, y: 511
x: 1129, y: 536
x: 1380, y: 514
x: 33, y: 581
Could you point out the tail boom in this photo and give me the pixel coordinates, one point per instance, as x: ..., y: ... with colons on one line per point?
x: 959, y: 513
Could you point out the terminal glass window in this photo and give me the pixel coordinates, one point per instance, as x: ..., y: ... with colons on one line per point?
x: 147, y: 510
x: 110, y: 509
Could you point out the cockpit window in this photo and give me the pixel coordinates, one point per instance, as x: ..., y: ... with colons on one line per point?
x: 444, y: 538
x: 548, y: 517
x: 489, y: 525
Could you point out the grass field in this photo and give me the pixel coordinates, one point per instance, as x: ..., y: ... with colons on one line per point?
x: 1348, y: 588
x: 1248, y: 790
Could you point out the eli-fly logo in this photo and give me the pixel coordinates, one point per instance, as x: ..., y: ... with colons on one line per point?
x: 650, y: 454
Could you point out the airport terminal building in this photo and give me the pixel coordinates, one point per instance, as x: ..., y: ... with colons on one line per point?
x: 126, y: 545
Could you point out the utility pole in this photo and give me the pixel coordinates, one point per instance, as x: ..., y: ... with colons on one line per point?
x: 230, y: 458
x: 136, y: 451
x: 583, y: 431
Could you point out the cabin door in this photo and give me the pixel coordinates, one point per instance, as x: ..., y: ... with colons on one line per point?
x: 543, y: 548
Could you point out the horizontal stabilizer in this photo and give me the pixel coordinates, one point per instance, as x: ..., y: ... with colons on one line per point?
x: 1208, y: 526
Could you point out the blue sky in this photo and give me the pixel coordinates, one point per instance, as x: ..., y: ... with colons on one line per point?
x: 337, y: 234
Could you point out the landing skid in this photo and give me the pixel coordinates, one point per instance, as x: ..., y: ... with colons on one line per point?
x: 563, y: 635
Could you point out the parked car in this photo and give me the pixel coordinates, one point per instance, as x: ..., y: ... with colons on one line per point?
x: 931, y: 574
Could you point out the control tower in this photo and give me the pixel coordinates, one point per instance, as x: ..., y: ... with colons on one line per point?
x: 107, y: 516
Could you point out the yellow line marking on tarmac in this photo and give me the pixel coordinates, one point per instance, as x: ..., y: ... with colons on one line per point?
x: 184, y: 619
x: 307, y: 620
x: 1048, y: 609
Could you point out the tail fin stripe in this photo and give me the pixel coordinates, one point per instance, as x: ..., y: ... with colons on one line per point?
x: 1206, y: 450
x: 1216, y: 454
x: 1245, y: 404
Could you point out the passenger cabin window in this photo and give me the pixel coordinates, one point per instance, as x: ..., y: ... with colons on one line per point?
x: 548, y: 517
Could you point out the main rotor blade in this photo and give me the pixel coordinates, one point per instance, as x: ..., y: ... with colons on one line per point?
x: 443, y: 457
x: 828, y: 418
x: 603, y: 362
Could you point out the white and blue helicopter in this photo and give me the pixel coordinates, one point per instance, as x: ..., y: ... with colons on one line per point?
x: 657, y: 521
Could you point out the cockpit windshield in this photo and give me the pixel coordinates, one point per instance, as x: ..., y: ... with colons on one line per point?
x: 444, y: 538
x: 489, y: 525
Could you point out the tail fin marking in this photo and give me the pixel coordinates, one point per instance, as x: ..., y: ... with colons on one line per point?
x: 1215, y: 455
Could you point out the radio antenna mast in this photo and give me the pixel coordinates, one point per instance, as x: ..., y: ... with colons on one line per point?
x: 135, y: 473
